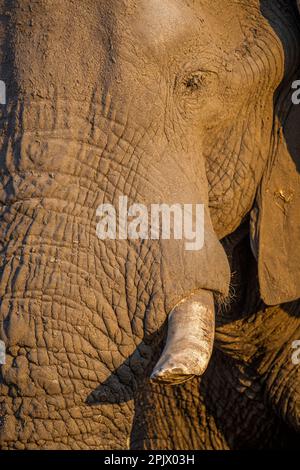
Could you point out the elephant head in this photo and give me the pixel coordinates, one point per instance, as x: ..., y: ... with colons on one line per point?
x: 164, y: 102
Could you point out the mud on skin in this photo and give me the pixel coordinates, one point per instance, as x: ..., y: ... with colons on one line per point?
x: 164, y: 102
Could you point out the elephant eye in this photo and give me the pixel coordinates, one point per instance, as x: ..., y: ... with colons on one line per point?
x: 194, y: 82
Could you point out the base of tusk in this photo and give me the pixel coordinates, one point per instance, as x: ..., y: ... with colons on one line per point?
x: 189, y: 344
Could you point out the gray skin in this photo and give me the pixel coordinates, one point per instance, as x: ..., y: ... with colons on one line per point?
x: 163, y: 101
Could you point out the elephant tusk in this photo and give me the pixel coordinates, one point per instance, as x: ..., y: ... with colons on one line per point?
x: 190, y: 339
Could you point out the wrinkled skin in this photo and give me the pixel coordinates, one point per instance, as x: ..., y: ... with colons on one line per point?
x: 249, y: 396
x: 163, y: 102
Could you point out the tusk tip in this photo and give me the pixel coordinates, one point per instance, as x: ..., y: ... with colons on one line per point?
x: 169, y: 377
x: 174, y: 373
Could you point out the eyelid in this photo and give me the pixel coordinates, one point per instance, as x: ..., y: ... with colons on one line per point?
x: 200, y: 71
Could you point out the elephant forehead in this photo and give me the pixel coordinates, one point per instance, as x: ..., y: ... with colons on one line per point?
x: 161, y: 26
x: 163, y: 22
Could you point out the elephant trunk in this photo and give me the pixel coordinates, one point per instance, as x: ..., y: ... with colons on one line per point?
x: 189, y: 340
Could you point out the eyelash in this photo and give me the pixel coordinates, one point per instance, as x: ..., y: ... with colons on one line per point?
x: 194, y: 81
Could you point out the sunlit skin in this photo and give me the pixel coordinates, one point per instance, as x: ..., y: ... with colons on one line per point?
x: 159, y: 102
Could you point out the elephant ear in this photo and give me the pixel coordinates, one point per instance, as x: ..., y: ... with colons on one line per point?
x: 275, y: 219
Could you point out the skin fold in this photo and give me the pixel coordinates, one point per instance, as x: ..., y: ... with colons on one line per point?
x: 165, y: 102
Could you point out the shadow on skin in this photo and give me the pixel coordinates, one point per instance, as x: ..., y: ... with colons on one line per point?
x: 12, y: 97
x: 127, y: 382
x: 122, y: 385
x: 243, y: 408
x: 292, y: 135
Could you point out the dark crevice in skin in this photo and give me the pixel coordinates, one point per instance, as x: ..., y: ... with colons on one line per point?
x: 245, y: 293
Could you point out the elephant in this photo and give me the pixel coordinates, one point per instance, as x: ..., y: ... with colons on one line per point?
x: 139, y: 343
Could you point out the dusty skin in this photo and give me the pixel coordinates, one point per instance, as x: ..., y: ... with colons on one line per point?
x: 173, y: 101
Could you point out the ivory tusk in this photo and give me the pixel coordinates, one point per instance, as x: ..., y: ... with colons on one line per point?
x: 190, y: 339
